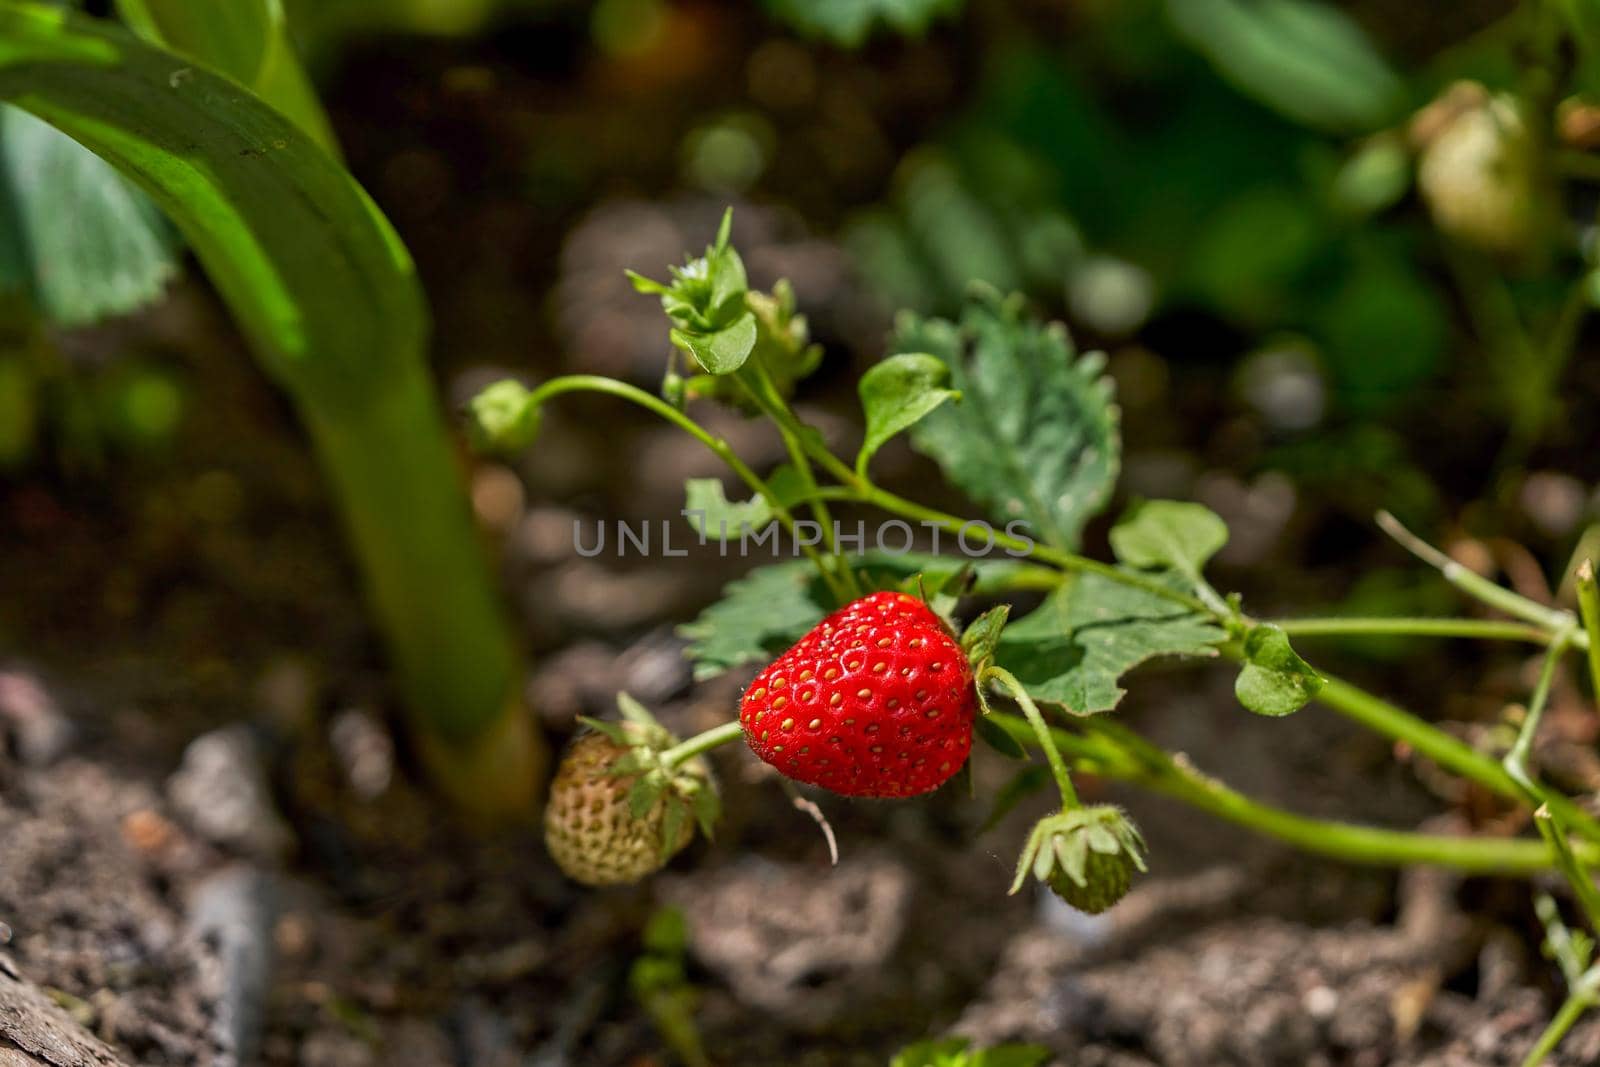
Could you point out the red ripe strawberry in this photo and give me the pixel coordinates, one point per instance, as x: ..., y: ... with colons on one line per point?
x: 877, y: 701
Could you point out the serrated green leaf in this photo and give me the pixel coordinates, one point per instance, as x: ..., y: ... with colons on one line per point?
x: 1169, y: 534
x: 712, y: 515
x: 896, y: 394
x: 1027, y: 781
x: 849, y: 22
x: 1086, y: 635
x: 84, y: 243
x: 991, y: 734
x: 1305, y: 59
x: 1034, y: 438
x: 1274, y: 679
x: 758, y: 617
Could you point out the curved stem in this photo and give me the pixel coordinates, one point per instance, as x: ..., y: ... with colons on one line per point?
x: 1474, y: 584
x: 764, y: 393
x: 1578, y: 1001
x: 1030, y: 710
x: 702, y: 742
x: 1488, y: 629
x: 594, y: 383
x: 1516, y: 761
x: 1449, y: 752
x: 1067, y: 561
x: 1112, y: 756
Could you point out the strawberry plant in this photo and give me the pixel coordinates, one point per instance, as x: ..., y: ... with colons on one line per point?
x: 209, y: 115
x: 868, y: 687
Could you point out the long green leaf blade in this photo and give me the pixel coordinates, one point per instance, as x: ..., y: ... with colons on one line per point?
x: 248, y: 40
x: 296, y: 247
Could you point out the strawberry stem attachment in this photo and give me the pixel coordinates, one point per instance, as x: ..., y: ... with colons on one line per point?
x: 701, y: 743
x: 1058, y: 766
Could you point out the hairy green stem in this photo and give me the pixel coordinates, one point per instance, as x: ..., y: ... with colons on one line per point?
x: 1578, y: 1001
x: 1488, y: 629
x: 1041, y: 730
x: 1067, y: 561
x: 1110, y: 757
x: 702, y: 742
x: 1473, y: 584
x: 1449, y: 752
x: 1589, y: 610
x: 392, y: 467
x: 594, y: 383
x: 764, y: 392
x: 1516, y: 761
x: 1571, y: 868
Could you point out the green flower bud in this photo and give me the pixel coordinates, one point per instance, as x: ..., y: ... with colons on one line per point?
x: 1087, y: 856
x: 504, y: 418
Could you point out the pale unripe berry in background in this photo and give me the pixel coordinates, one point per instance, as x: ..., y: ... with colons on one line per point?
x: 1475, y: 172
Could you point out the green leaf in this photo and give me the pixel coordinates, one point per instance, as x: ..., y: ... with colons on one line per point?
x: 321, y: 283
x: 1274, y: 680
x: 82, y: 242
x: 896, y: 394
x: 848, y: 22
x: 995, y: 736
x: 1035, y: 436
x: 1304, y: 59
x: 723, y: 351
x: 247, y: 40
x: 1086, y: 635
x: 758, y: 617
x: 712, y: 515
x: 1169, y: 534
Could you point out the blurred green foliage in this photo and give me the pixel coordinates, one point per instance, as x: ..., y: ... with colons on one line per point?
x: 849, y: 22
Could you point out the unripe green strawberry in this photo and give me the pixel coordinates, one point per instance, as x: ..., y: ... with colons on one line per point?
x: 876, y: 701
x: 1087, y: 856
x: 616, y: 813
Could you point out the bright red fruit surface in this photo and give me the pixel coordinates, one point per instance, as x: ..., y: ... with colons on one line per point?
x: 877, y: 701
